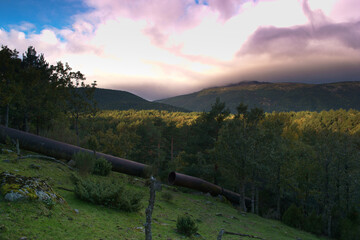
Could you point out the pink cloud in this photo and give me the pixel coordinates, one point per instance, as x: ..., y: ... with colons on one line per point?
x: 345, y: 11
x: 164, y: 13
x: 226, y: 8
x: 159, y: 48
x: 297, y: 41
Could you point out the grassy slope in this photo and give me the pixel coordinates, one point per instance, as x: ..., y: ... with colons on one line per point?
x: 275, y: 96
x: 35, y: 221
x: 108, y: 99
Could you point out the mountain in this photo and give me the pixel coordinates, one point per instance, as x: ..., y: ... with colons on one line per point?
x: 108, y: 99
x: 274, y: 96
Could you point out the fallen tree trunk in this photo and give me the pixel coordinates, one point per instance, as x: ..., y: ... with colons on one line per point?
x: 65, y: 151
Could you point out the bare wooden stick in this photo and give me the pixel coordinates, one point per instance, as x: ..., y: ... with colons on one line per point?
x: 149, y: 209
x: 17, y: 147
x: 221, y: 233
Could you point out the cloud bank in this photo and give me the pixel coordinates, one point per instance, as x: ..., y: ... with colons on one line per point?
x: 161, y: 48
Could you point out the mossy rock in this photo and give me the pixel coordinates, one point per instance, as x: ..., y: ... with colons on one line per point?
x: 17, y: 187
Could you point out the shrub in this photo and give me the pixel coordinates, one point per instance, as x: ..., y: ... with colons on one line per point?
x: 293, y: 217
x: 349, y: 230
x: 313, y: 223
x: 166, y: 196
x: 107, y: 192
x: 185, y: 225
x: 350, y: 226
x: 102, y: 167
x: 84, y: 162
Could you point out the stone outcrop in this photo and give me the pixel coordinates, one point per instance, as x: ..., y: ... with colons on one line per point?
x: 16, y: 187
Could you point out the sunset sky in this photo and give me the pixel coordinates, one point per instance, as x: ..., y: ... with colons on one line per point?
x: 162, y: 48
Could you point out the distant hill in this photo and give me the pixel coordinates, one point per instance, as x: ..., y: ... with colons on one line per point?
x: 274, y: 96
x: 108, y: 99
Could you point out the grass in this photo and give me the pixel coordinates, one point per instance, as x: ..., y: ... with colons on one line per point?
x: 35, y: 220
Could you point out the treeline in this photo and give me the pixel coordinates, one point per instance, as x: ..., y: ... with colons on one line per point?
x: 33, y: 93
x: 299, y: 167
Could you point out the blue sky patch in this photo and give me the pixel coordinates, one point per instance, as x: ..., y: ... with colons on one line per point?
x: 39, y: 13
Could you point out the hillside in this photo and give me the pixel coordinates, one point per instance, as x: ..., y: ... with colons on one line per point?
x: 274, y: 96
x: 108, y: 99
x: 77, y: 219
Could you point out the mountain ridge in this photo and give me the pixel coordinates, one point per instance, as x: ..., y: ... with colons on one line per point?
x: 269, y: 96
x: 109, y: 99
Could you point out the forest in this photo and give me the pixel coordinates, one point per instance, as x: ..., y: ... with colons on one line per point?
x: 299, y: 167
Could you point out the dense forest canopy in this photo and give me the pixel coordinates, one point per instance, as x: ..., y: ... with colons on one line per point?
x: 34, y: 93
x: 300, y: 167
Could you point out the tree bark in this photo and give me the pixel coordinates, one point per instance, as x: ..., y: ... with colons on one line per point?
x: 329, y: 224
x: 77, y: 131
x: 257, y: 201
x: 172, y: 149
x: 149, y: 210
x: 347, y: 189
x: 26, y: 122
x: 253, y: 198
x: 243, y: 190
x: 278, y: 202
x: 7, y: 115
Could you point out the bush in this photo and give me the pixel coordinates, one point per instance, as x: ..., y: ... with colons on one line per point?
x: 107, y: 192
x: 84, y: 162
x: 350, y: 226
x: 313, y: 223
x: 102, y: 167
x: 293, y: 217
x: 185, y: 225
x: 166, y: 196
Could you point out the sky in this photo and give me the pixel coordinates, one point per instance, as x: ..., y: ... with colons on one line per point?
x: 162, y: 48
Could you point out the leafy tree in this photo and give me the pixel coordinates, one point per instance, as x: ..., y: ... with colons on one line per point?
x: 35, y: 76
x: 203, y: 134
x: 238, y: 149
x: 9, y: 75
x: 78, y: 95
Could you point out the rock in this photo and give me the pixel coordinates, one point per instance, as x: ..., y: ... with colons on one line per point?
x: 208, y: 202
x: 4, y: 150
x: 218, y: 214
x: 197, y: 235
x: 23, y: 238
x: 14, y: 196
x: 76, y: 211
x: 157, y: 186
x: 140, y: 229
x: 35, y: 166
x: 71, y: 163
x: 17, y: 187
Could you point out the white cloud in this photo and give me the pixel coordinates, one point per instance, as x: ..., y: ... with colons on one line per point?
x: 179, y: 45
